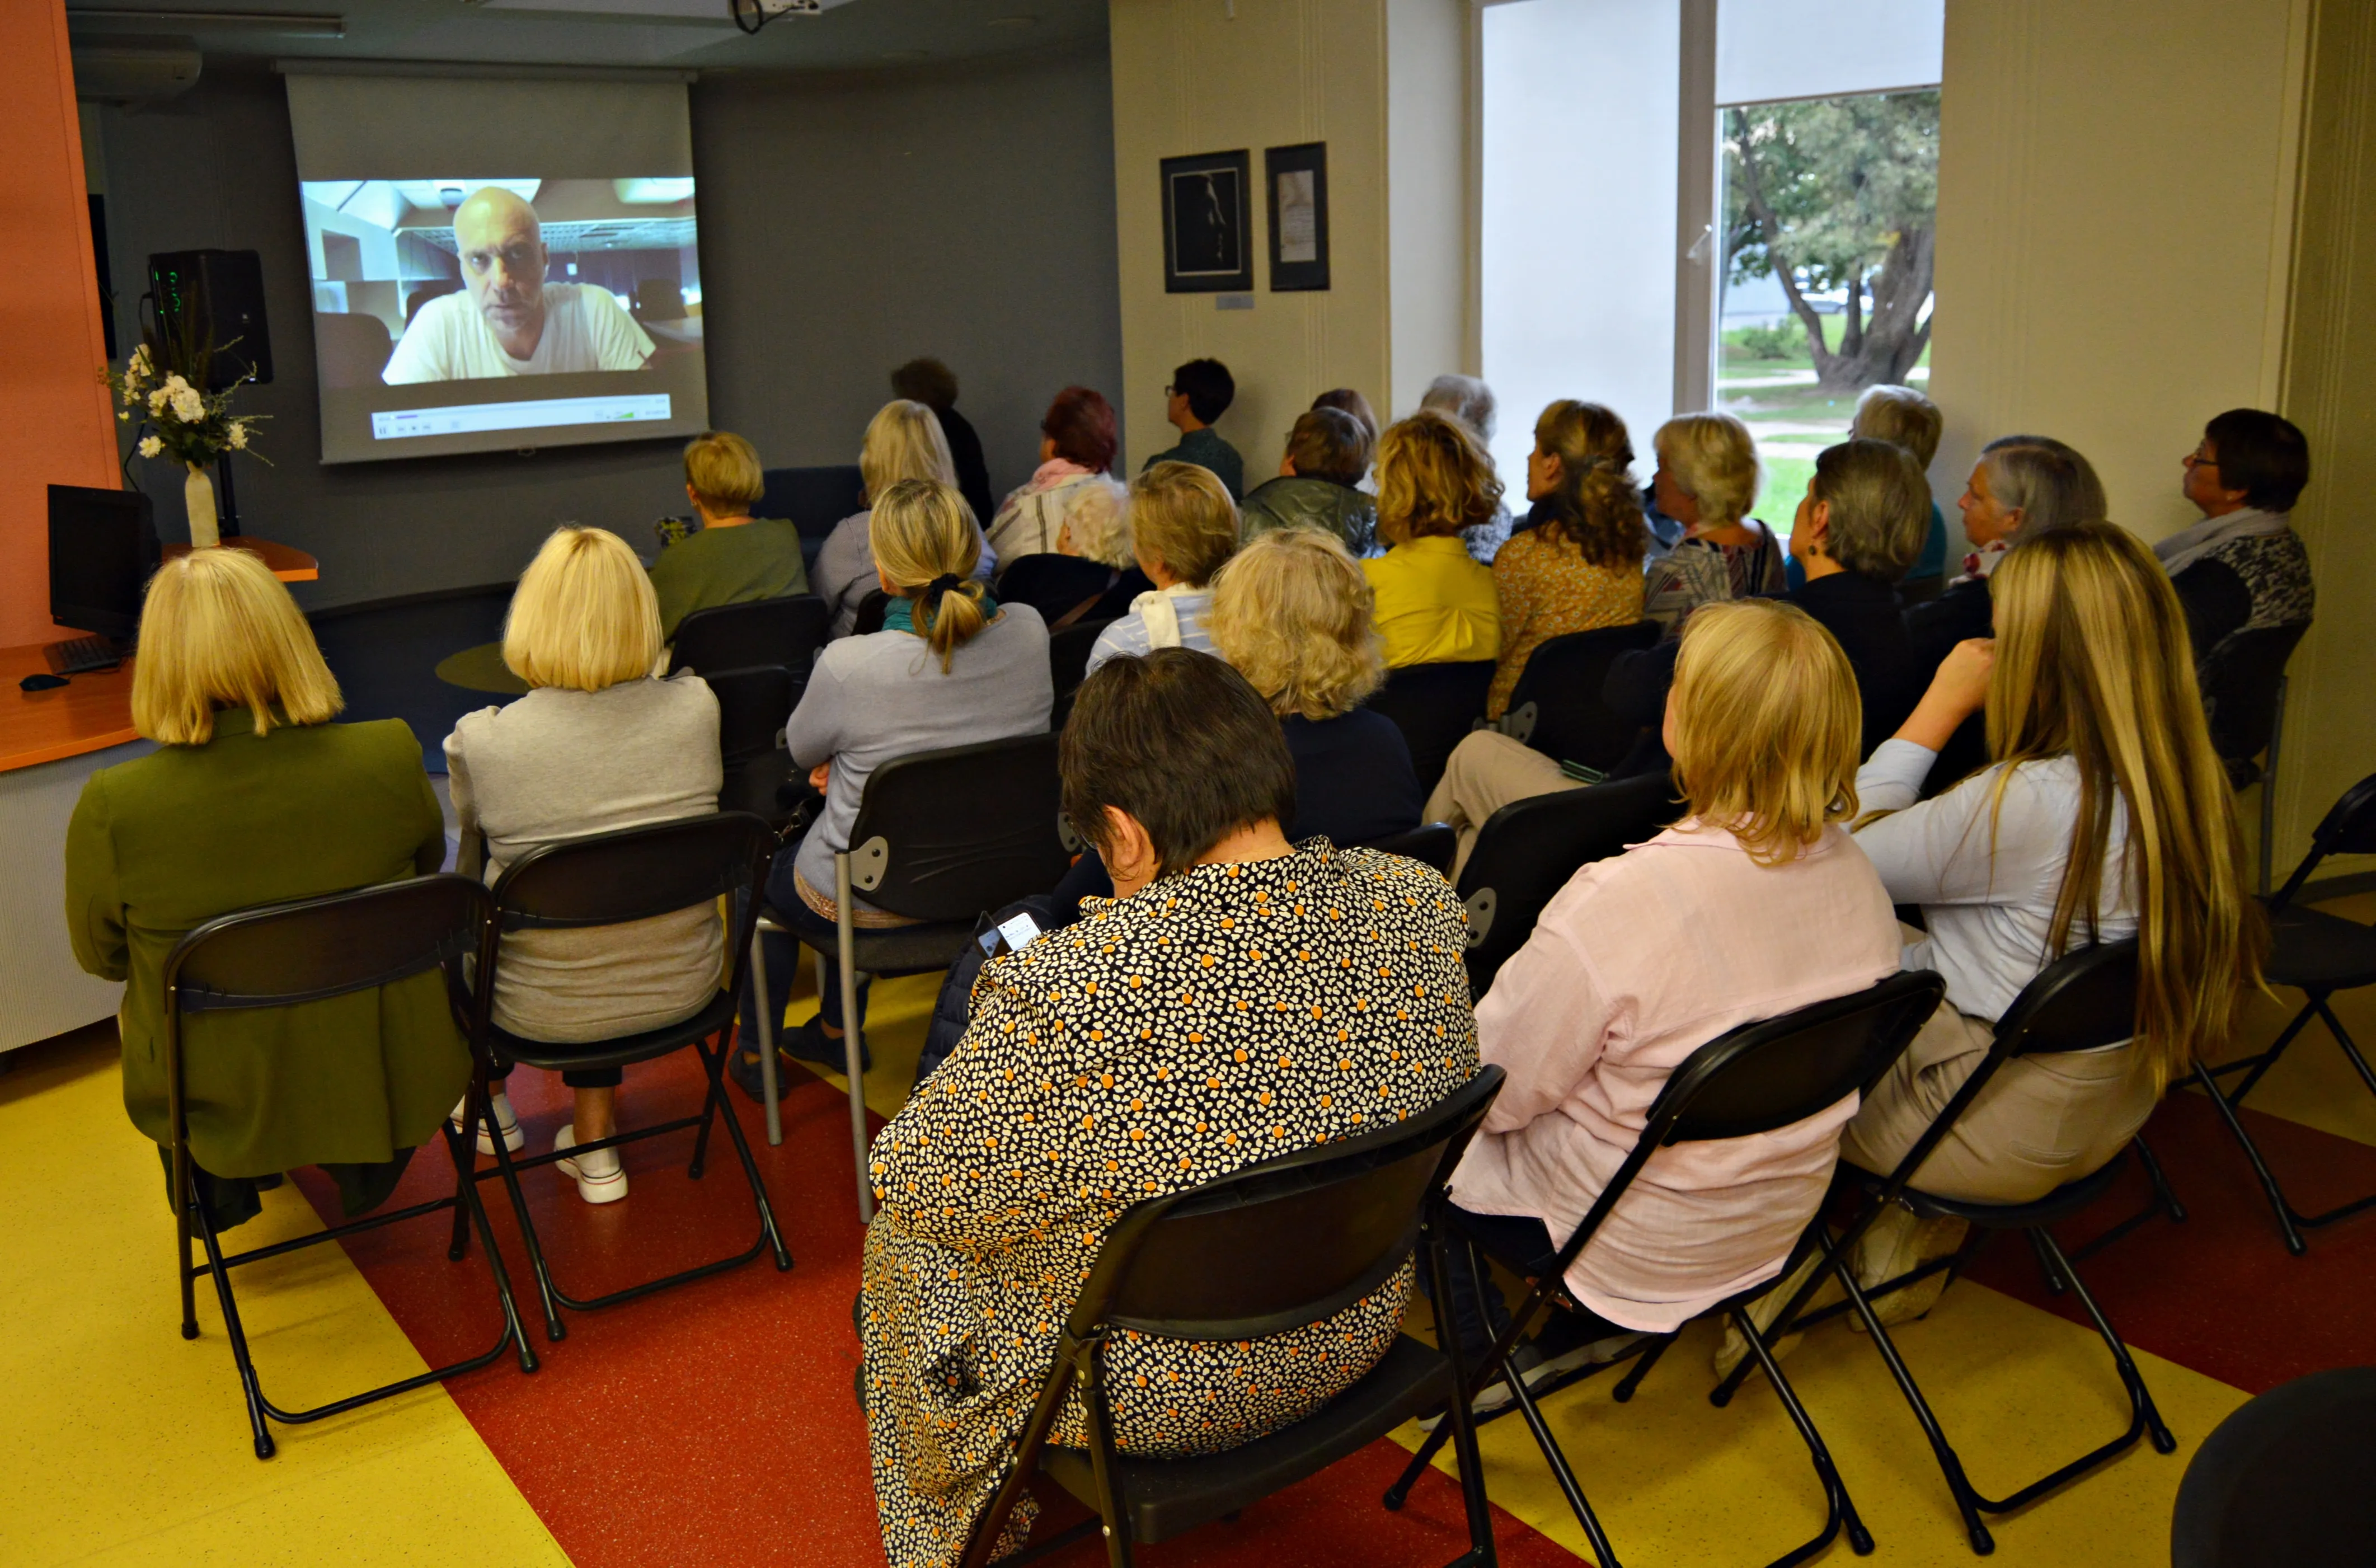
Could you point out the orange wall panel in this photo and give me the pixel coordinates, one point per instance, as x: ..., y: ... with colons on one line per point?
x: 55, y: 425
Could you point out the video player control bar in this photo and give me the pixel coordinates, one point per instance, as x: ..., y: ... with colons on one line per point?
x: 467, y: 418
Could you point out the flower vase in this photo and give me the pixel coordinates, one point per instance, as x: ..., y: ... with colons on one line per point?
x: 198, y: 493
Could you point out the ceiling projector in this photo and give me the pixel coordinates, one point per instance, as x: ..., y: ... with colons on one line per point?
x: 753, y: 15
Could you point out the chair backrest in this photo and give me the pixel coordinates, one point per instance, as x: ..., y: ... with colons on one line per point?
x: 787, y: 631
x: 871, y: 612
x: 1068, y: 655
x: 1284, y: 1243
x: 753, y: 704
x: 1434, y: 706
x: 2240, y: 688
x: 1557, y: 707
x: 634, y: 873
x: 947, y: 835
x: 2283, y: 1480
x: 1529, y: 849
x: 813, y: 499
x: 1771, y: 1073
x: 2348, y: 828
x: 1430, y: 843
x: 352, y: 348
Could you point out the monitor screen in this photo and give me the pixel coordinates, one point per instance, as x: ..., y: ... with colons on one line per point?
x: 102, y: 550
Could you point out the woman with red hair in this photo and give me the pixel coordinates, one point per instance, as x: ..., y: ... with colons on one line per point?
x: 1078, y: 443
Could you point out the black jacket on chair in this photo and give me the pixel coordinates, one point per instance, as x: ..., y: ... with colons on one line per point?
x: 964, y: 455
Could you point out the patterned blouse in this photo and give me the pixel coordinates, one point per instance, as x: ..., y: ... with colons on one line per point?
x: 1547, y: 590
x: 1211, y: 1020
x: 1697, y: 572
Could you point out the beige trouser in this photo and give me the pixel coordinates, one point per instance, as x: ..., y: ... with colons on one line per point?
x: 2041, y: 1121
x: 1486, y: 772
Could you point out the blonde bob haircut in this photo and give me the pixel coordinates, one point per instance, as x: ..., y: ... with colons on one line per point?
x: 2093, y: 662
x: 583, y: 616
x: 1767, y: 726
x: 1434, y: 478
x: 1291, y: 612
x: 724, y: 471
x: 1902, y: 417
x: 1182, y: 516
x: 926, y: 546
x: 903, y: 440
x: 1712, y: 457
x: 219, y: 630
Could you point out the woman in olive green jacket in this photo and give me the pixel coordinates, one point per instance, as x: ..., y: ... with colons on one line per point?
x: 252, y: 797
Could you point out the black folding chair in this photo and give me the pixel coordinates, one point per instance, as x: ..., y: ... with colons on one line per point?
x: 1266, y: 1249
x: 1529, y: 849
x: 1432, y: 843
x: 1068, y: 663
x: 311, y: 950
x: 2319, y: 954
x: 758, y: 632
x: 753, y: 705
x: 941, y: 838
x: 1752, y: 1079
x: 2284, y: 1480
x: 871, y: 610
x: 2082, y: 1002
x: 1434, y: 706
x: 813, y: 500
x: 2244, y: 697
x: 1556, y: 706
x: 605, y: 879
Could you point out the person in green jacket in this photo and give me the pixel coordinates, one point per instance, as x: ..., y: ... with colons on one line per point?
x: 1201, y: 392
x: 251, y: 797
x: 736, y: 557
x: 1327, y: 453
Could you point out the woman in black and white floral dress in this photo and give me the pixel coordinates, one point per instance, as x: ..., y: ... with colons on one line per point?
x: 1242, y: 998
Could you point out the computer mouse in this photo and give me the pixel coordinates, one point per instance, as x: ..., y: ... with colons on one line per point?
x: 41, y: 683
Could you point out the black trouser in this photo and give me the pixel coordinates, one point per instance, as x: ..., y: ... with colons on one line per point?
x: 1477, y: 1313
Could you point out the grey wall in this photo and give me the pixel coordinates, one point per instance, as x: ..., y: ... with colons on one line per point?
x: 847, y: 223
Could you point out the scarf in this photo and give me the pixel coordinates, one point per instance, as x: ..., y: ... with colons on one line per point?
x: 899, y: 615
x: 1161, y: 614
x: 1053, y: 473
x: 1980, y: 562
x: 2187, y: 546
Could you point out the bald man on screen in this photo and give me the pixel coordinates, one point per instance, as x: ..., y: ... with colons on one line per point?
x: 508, y: 320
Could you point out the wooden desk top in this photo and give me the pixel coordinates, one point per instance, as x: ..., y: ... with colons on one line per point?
x: 288, y: 565
x: 90, y: 714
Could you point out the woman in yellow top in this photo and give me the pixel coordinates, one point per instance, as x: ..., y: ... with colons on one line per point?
x: 1581, y: 569
x: 1435, y: 482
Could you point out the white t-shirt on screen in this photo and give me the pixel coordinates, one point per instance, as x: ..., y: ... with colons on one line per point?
x: 585, y: 329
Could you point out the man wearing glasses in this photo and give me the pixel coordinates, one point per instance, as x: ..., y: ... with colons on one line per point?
x: 508, y: 320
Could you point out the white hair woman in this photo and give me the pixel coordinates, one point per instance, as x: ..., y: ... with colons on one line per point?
x: 2022, y: 487
x: 254, y: 796
x: 1707, y: 481
x: 903, y: 440
x: 597, y: 744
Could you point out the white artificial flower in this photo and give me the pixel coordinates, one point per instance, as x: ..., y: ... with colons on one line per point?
x: 189, y: 405
x: 151, y: 446
x: 157, y: 400
x: 140, y: 363
x: 237, y: 435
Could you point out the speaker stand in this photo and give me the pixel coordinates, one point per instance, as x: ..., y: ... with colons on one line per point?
x: 227, y: 513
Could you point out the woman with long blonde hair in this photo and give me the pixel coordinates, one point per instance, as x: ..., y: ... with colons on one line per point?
x: 903, y: 440
x: 2104, y: 814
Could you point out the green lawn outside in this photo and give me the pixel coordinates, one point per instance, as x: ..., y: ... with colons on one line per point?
x: 1785, y: 475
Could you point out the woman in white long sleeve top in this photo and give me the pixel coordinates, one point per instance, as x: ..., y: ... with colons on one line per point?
x: 2104, y: 815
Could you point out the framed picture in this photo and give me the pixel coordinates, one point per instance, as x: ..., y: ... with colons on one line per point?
x: 1207, y: 224
x: 1298, y: 178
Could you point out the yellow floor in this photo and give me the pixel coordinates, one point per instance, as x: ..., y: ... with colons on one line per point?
x: 130, y: 1446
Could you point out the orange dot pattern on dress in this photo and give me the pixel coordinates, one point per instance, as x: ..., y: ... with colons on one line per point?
x: 1284, y: 1003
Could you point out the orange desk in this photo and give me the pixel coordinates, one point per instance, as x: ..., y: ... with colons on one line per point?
x: 290, y: 565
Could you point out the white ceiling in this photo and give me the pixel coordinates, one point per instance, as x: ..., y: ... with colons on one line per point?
x: 690, y: 34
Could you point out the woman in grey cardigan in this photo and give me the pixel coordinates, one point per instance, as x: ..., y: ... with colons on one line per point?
x: 951, y: 666
x: 596, y: 745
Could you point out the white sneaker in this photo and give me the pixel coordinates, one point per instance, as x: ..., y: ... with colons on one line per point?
x: 600, y: 1178
x: 504, y: 1118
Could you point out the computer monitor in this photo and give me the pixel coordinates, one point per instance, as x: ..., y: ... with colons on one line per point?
x: 103, y: 551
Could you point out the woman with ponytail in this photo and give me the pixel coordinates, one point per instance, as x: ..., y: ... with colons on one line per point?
x: 2104, y: 815
x: 951, y: 666
x: 1581, y: 569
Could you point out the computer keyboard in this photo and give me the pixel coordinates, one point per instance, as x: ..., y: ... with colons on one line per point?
x: 80, y: 656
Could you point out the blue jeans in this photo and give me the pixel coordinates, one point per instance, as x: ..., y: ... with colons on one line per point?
x: 783, y: 952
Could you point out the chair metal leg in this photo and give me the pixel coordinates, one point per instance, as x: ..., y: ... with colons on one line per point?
x: 1839, y: 1509
x: 2269, y: 788
x: 853, y: 1041
x: 1624, y: 1391
x: 249, y: 1387
x: 766, y: 1008
x: 1967, y: 1500
x: 717, y: 1069
x: 2164, y: 1201
x: 554, y: 1329
x: 1458, y: 1417
x: 186, y: 1199
x: 2291, y: 1221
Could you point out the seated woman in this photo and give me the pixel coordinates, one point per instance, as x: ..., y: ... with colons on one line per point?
x: 1902, y: 417
x: 1292, y: 614
x: 597, y: 744
x: 253, y: 796
x: 736, y: 557
x: 1091, y: 574
x: 1861, y: 522
x: 2243, y: 568
x: 1707, y: 481
x: 1077, y: 444
x: 2095, y: 726
x: 1182, y: 527
x: 1435, y: 482
x: 951, y: 666
x: 903, y: 440
x: 2021, y: 487
x: 1172, y: 1047
x: 1755, y: 903
x: 1327, y: 453
x: 1579, y: 566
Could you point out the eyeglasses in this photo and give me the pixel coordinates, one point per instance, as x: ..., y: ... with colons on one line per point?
x: 1170, y: 390
x: 2199, y: 459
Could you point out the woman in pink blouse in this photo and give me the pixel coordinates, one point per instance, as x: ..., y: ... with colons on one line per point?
x: 1757, y: 903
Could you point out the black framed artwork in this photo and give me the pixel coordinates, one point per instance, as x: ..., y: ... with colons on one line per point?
x: 1296, y: 180
x: 1207, y: 223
